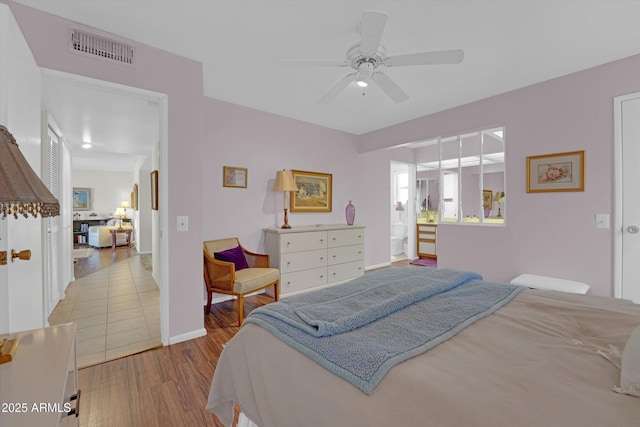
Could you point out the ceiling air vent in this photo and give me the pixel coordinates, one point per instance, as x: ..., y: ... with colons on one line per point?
x: 99, y: 46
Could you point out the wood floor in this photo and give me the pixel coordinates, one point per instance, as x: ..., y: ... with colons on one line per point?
x: 102, y: 258
x: 167, y: 386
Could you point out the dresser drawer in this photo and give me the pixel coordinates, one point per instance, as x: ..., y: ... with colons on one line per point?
x: 346, y: 254
x: 427, y: 248
x: 296, y: 242
x: 290, y: 262
x: 426, y: 228
x: 349, y: 270
x: 301, y: 280
x: 346, y: 237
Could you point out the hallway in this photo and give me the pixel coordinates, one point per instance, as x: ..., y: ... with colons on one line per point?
x: 116, y: 308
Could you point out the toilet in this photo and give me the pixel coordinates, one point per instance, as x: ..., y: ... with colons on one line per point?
x: 398, y: 238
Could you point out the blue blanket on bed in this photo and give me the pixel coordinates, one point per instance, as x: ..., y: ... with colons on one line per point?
x: 361, y: 329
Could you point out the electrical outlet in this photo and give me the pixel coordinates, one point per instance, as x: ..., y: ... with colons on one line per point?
x: 183, y: 223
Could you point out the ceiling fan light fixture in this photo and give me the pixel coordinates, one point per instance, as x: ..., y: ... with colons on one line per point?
x: 365, y: 71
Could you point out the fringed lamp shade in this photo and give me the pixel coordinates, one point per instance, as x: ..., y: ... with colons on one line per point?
x: 21, y: 190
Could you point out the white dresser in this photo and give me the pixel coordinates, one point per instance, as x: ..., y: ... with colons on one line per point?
x: 315, y: 256
x: 39, y: 387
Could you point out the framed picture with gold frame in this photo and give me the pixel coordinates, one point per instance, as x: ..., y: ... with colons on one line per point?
x: 487, y: 199
x: 555, y: 172
x: 314, y: 192
x: 134, y: 197
x: 154, y: 190
x: 234, y: 177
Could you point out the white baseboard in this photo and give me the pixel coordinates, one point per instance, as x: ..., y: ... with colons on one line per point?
x: 373, y: 267
x: 188, y: 336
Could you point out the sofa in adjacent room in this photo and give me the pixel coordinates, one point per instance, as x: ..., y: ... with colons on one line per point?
x: 100, y: 235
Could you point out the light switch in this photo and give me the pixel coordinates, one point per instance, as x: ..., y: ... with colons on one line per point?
x: 183, y: 223
x: 602, y: 221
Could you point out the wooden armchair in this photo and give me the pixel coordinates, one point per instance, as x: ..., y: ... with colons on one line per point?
x: 223, y: 277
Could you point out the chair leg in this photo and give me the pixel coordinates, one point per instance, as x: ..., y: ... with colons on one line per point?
x: 207, y: 309
x: 276, y: 289
x: 240, y: 309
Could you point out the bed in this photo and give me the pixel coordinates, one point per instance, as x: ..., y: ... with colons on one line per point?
x: 539, y: 358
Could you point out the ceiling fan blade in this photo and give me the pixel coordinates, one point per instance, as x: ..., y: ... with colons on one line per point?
x: 371, y: 29
x: 426, y: 58
x: 391, y: 89
x: 339, y: 87
x: 314, y: 63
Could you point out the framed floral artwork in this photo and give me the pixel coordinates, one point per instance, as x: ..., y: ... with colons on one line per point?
x: 555, y: 172
x: 314, y: 192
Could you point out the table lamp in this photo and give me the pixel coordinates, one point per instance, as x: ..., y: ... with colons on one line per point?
x: 285, y: 183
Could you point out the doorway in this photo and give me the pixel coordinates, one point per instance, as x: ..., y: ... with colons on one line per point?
x: 138, y: 116
x: 402, y: 211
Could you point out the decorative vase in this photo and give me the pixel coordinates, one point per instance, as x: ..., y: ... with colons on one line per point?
x: 350, y: 212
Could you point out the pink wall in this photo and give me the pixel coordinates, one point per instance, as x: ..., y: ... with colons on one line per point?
x: 547, y: 233
x: 264, y: 143
x: 181, y: 80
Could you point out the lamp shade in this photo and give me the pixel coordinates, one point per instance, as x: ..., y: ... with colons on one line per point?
x: 284, y: 181
x: 125, y: 204
x: 21, y: 190
x: 120, y: 212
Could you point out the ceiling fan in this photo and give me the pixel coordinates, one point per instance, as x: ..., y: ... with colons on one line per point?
x: 368, y: 55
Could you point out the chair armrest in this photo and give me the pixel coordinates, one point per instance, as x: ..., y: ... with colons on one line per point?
x: 218, y: 274
x: 256, y: 260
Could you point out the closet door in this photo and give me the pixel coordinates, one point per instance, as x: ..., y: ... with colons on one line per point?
x: 628, y: 226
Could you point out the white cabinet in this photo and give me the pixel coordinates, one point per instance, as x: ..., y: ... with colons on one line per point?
x: 39, y: 387
x: 313, y: 257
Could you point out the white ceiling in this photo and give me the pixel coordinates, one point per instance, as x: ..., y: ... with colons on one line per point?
x: 122, y: 124
x: 242, y: 43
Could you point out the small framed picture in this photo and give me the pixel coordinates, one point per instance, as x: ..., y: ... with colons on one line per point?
x: 555, y: 172
x: 234, y: 177
x: 154, y: 190
x: 487, y: 199
x: 81, y: 199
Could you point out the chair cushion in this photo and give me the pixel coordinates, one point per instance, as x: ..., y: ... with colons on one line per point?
x: 234, y: 255
x: 250, y: 279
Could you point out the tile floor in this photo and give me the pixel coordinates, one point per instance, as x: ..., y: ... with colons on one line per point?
x: 116, y: 309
